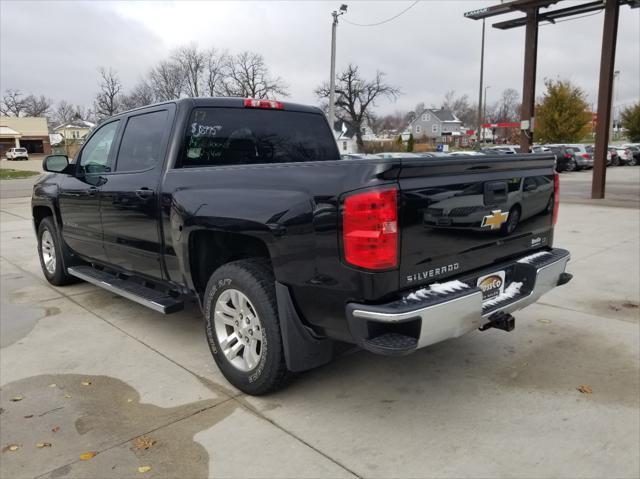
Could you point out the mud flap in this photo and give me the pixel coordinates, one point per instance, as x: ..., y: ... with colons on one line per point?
x: 302, y: 350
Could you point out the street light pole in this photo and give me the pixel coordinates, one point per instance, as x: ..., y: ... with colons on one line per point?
x: 484, y: 111
x: 616, y: 76
x: 480, y: 89
x: 332, y: 79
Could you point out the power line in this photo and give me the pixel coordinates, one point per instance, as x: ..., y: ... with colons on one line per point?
x: 383, y: 21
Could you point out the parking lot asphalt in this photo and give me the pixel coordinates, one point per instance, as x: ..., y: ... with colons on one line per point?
x: 85, y: 372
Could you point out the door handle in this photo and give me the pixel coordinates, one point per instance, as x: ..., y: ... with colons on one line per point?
x: 92, y: 191
x: 144, y: 192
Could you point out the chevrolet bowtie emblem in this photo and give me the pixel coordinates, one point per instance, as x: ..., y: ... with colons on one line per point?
x: 495, y: 219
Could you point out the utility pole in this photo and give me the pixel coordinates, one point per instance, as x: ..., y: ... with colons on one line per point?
x: 332, y: 79
x: 480, y: 89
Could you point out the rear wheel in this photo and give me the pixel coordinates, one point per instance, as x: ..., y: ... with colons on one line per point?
x: 52, y: 255
x: 242, y: 326
x: 571, y: 165
x: 633, y: 161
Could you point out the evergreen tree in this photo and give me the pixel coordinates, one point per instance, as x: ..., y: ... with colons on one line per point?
x: 563, y: 114
x: 399, y: 142
x: 631, y: 122
x: 410, y: 143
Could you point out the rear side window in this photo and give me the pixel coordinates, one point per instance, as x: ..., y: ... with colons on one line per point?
x: 235, y: 136
x: 142, y: 146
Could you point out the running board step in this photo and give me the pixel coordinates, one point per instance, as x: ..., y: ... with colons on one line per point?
x: 149, y: 297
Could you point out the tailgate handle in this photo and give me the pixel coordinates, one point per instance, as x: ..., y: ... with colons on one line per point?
x: 495, y: 192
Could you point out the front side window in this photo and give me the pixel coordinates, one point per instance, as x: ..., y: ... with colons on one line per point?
x: 95, y: 154
x: 238, y: 136
x: 141, y: 147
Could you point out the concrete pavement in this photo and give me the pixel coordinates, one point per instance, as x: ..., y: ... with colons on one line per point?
x: 106, y: 371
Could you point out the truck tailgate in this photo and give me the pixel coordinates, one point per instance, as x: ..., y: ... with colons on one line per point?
x: 460, y: 214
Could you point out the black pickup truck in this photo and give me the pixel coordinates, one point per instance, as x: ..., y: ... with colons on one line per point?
x: 246, y: 207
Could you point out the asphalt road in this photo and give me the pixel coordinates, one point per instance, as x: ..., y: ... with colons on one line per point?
x: 84, y: 371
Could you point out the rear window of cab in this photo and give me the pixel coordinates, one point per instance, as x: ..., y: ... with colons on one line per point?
x: 238, y: 136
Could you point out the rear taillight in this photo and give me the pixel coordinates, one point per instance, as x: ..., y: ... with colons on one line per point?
x: 267, y: 104
x: 567, y: 155
x: 586, y: 155
x: 556, y: 197
x: 370, y: 229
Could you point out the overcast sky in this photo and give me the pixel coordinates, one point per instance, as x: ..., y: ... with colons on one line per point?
x: 55, y: 48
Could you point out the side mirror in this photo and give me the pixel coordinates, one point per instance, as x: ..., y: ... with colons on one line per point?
x: 530, y: 187
x: 55, y: 163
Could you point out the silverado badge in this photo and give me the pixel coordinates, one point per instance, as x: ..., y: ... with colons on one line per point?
x: 495, y: 219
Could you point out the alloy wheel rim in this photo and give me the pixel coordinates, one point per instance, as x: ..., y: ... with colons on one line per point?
x: 238, y: 330
x: 48, y: 252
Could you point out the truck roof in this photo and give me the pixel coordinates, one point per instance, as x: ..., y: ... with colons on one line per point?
x: 226, y: 102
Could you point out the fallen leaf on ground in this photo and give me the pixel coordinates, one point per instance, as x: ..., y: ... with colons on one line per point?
x: 67, y: 396
x: 17, y: 398
x: 88, y: 455
x: 55, y: 429
x: 52, y: 385
x: 143, y: 442
x: 545, y: 321
x: 144, y: 469
x: 28, y: 416
x: 11, y: 447
x: 40, y: 445
x: 86, y: 382
x: 129, y: 400
x: 584, y: 389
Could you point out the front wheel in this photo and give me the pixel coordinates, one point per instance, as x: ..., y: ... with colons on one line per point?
x: 632, y: 161
x: 51, y: 252
x: 242, y: 326
x: 571, y: 165
x: 512, y: 221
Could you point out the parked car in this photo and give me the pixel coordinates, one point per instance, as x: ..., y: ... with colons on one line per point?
x: 615, y: 161
x: 400, y: 154
x: 625, y: 155
x: 584, y: 160
x: 17, y: 154
x: 591, y: 150
x: 540, y: 149
x: 565, y: 158
x: 502, y: 150
x: 245, y: 207
x: 633, y: 157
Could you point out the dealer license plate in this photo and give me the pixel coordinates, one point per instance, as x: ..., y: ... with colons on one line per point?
x: 491, y: 285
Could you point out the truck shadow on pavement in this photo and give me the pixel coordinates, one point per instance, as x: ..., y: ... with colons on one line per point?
x: 55, y: 419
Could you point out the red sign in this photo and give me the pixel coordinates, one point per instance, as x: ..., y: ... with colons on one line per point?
x: 514, y: 124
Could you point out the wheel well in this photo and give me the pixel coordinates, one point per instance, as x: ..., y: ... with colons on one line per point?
x: 208, y: 250
x: 40, y: 213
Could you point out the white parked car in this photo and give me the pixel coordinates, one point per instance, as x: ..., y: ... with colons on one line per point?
x: 17, y: 154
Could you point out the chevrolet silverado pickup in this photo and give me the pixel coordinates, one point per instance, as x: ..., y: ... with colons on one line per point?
x: 246, y: 207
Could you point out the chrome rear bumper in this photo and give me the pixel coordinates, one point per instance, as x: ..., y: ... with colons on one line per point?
x: 408, y: 324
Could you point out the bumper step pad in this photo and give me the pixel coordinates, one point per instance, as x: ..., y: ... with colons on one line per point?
x: 391, y: 344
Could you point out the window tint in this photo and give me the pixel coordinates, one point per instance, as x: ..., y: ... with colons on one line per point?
x: 234, y: 136
x: 141, y: 146
x: 95, y: 154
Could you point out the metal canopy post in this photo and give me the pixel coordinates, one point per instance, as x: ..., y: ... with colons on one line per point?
x: 605, y: 90
x: 529, y: 80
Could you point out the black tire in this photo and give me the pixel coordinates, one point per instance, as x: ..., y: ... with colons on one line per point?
x: 58, y: 276
x: 512, y: 221
x: 571, y: 165
x: 254, y: 278
x: 632, y: 161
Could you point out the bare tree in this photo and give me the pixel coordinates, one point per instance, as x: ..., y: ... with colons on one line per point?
x: 356, y: 97
x: 12, y: 103
x: 107, y: 102
x: 141, y: 95
x: 192, y: 63
x: 460, y: 107
x: 63, y: 113
x: 37, y: 106
x: 249, y: 76
x: 215, y: 73
x: 166, y: 81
